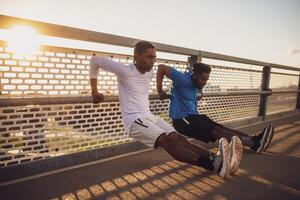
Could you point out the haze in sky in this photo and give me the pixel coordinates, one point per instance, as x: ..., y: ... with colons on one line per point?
x: 265, y: 30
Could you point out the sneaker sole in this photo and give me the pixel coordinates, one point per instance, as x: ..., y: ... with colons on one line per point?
x: 225, y: 149
x: 237, y: 152
x: 263, y: 141
x: 269, y: 139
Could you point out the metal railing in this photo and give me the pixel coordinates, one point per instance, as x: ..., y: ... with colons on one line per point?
x: 46, y: 109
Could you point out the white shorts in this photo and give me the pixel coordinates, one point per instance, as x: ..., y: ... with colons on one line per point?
x: 148, y: 129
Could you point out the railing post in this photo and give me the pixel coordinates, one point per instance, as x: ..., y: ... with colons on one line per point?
x: 298, y: 95
x: 265, y: 83
x: 194, y: 59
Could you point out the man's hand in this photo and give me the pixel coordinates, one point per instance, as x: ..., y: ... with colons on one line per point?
x: 163, y: 95
x: 97, y: 97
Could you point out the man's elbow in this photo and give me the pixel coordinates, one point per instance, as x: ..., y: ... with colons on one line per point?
x: 165, y: 70
x: 162, y: 66
x: 161, y: 69
x: 93, y: 61
x: 93, y: 71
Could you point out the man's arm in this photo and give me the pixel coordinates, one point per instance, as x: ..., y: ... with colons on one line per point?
x: 162, y: 71
x: 97, y: 97
x: 108, y: 65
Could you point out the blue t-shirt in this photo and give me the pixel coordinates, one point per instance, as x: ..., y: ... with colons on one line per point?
x: 183, y: 95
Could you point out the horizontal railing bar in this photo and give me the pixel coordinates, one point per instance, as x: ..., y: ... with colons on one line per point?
x: 52, y: 100
x: 276, y: 102
x: 4, y: 102
x: 274, y: 91
x: 90, y: 52
x: 235, y: 68
x: 98, y: 37
x: 88, y: 99
x: 86, y: 52
x: 216, y: 56
x: 280, y: 73
x: 212, y: 94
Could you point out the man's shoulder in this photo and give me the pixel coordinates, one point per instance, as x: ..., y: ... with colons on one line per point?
x: 128, y: 67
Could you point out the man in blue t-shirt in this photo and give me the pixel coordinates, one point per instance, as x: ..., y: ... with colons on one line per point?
x: 184, y: 112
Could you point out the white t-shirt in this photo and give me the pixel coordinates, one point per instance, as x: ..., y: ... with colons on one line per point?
x: 133, y: 88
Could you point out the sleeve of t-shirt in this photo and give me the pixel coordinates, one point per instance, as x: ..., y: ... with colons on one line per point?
x: 120, y: 69
x: 177, y: 77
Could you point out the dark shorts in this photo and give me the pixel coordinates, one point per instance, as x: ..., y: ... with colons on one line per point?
x: 199, y: 127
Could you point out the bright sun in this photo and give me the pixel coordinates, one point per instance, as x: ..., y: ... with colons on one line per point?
x: 23, y: 40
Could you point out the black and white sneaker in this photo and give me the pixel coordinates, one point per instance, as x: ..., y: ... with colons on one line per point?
x: 260, y: 140
x: 270, y: 137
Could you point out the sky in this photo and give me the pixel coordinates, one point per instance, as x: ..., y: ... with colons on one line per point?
x: 264, y: 30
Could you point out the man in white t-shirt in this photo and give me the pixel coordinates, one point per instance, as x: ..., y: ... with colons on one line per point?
x: 133, y: 84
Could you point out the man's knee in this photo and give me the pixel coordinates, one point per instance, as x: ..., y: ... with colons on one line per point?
x: 178, y: 139
x: 165, y: 141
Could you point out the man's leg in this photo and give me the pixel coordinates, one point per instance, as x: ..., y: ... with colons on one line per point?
x: 203, y: 128
x: 181, y: 139
x: 236, y: 146
x: 218, y: 131
x: 149, y: 131
x: 222, y: 131
x: 176, y: 151
x: 193, y: 147
x: 181, y: 149
x: 232, y: 131
x: 146, y: 131
x: 257, y: 143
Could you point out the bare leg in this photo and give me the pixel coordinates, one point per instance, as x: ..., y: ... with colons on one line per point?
x: 178, y: 152
x: 181, y: 149
x: 193, y: 147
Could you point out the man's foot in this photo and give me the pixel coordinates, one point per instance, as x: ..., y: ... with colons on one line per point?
x: 236, y: 147
x: 222, y: 159
x: 270, y: 137
x: 259, y: 140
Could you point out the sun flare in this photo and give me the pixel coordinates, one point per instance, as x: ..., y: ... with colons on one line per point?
x: 23, y: 40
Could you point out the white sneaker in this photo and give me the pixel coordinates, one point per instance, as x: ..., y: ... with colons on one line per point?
x: 236, y: 147
x: 224, y: 152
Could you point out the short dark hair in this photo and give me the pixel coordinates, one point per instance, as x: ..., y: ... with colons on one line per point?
x: 141, y: 47
x: 198, y: 68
